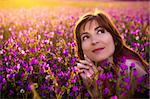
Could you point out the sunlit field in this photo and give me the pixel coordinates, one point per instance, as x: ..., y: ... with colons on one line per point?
x: 37, y: 45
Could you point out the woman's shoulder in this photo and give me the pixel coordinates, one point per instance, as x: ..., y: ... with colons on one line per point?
x: 142, y: 79
x: 137, y: 65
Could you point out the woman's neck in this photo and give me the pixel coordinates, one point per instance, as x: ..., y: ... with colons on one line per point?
x: 105, y: 63
x: 110, y: 60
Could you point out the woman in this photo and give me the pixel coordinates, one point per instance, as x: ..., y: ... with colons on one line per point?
x: 106, y: 65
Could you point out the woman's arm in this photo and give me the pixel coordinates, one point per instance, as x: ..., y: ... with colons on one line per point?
x: 138, y: 67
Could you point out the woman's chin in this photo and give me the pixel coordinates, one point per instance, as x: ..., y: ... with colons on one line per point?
x: 103, y: 58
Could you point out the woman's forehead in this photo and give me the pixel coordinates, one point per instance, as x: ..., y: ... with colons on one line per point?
x: 88, y: 24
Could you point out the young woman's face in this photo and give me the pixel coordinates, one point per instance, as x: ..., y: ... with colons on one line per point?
x: 97, y: 43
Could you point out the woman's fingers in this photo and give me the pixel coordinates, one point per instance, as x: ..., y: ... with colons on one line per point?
x: 85, y: 62
x: 85, y: 74
x: 88, y: 73
x: 86, y: 68
x: 82, y: 72
x: 93, y: 66
x: 86, y: 58
x: 82, y: 66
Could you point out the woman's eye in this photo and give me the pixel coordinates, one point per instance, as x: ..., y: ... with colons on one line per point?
x: 101, y: 31
x: 85, y: 37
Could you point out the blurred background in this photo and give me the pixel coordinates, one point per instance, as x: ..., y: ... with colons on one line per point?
x: 31, y: 3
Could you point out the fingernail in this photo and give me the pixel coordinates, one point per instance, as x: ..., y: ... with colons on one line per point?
x: 76, y: 69
x: 79, y: 64
x: 80, y: 60
x: 80, y: 71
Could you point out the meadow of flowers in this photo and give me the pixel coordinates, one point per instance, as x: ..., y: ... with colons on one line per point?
x: 37, y: 46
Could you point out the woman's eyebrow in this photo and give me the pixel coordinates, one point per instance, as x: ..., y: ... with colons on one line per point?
x: 83, y: 33
x: 98, y: 27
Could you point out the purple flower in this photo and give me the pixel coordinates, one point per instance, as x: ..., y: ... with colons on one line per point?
x: 29, y: 88
x: 121, y: 85
x: 123, y: 59
x: 42, y: 56
x: 123, y: 94
x: 98, y: 82
x: 139, y: 89
x: 0, y: 87
x: 105, y: 63
x: 67, y: 84
x: 141, y: 79
x: 99, y: 76
x: 2, y: 51
x: 43, y: 94
x: 73, y: 44
x: 71, y: 93
x: 54, y: 66
x: 50, y: 88
x: 34, y: 61
x: 123, y: 66
x: 132, y: 65
x: 14, y: 53
x: 30, y: 68
x: 42, y: 71
x: 11, y: 92
x: 22, y: 75
x: 73, y: 80
x: 114, y: 97
x: 136, y: 44
x: 103, y: 76
x: 20, y: 83
x: 127, y: 79
x: 135, y: 73
x: 1, y: 77
x: 43, y: 87
x: 10, y: 76
x: 73, y: 60
x: 105, y: 91
x: 128, y: 87
x: 75, y: 88
x: 109, y: 75
x: 32, y: 50
x: 60, y: 74
x: 65, y: 52
x: 87, y: 94
x: 122, y: 73
x: 4, y: 80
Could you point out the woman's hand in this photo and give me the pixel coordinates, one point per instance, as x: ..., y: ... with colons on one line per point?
x: 88, y: 71
x: 86, y: 68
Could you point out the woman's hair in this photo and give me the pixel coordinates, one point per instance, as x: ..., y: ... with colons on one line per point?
x: 104, y: 21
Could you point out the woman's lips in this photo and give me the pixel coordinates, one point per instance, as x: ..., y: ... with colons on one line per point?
x: 97, y: 50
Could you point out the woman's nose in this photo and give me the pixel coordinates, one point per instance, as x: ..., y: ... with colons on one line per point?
x: 94, y: 40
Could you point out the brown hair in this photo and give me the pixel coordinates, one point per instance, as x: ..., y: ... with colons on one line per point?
x: 103, y: 19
